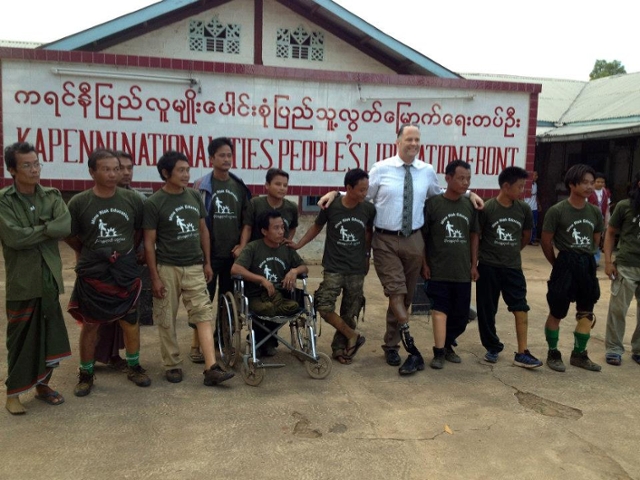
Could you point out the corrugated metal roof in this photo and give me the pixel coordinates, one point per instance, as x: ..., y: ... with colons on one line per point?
x: 590, y: 131
x: 339, y: 21
x: 605, y: 108
x: 615, y: 97
x: 19, y: 44
x: 556, y: 97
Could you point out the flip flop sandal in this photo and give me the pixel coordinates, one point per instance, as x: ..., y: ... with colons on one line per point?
x: 52, y: 397
x: 613, y: 359
x: 352, y: 350
x: 196, y: 356
x: 340, y: 356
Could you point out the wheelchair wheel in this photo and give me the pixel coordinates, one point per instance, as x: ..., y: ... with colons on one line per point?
x: 321, y: 369
x: 228, y: 331
x: 236, y: 341
x: 251, y: 374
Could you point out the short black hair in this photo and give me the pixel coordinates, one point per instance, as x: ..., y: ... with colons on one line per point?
x: 450, y: 169
x: 168, y: 162
x: 122, y: 154
x: 352, y: 177
x: 264, y: 219
x: 274, y: 172
x: 511, y: 175
x: 100, y: 154
x: 216, y: 143
x: 10, y: 153
x: 600, y: 175
x: 576, y: 173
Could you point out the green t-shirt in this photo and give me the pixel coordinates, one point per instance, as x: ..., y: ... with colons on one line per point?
x: 271, y: 263
x: 176, y: 220
x: 106, y: 222
x: 624, y: 219
x: 573, y: 228
x: 501, y: 228
x: 344, y: 247
x: 258, y: 205
x: 228, y: 208
x: 448, y: 225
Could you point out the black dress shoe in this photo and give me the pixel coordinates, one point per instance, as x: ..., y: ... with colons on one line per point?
x: 392, y: 357
x: 412, y: 364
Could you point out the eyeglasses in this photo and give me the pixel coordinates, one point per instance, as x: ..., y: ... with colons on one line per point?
x: 29, y: 166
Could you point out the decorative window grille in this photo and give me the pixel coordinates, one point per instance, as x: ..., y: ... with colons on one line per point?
x: 300, y: 44
x: 214, y: 36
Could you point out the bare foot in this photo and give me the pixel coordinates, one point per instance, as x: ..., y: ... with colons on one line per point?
x: 14, y: 406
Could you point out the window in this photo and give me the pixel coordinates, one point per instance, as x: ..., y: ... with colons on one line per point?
x: 300, y: 44
x: 309, y: 204
x: 214, y: 36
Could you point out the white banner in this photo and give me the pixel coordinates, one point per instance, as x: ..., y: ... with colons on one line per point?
x: 314, y: 130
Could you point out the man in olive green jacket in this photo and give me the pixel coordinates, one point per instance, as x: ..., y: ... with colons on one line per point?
x: 32, y: 221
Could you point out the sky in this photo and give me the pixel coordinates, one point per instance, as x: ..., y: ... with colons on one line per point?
x: 538, y: 38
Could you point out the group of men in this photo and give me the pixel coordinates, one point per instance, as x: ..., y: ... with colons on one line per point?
x: 195, y: 239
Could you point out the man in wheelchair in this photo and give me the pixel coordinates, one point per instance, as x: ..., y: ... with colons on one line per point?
x: 269, y: 266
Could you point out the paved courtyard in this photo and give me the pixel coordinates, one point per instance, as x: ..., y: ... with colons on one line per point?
x: 469, y: 421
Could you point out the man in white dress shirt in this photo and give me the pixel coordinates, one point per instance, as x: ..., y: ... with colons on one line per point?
x: 398, y: 256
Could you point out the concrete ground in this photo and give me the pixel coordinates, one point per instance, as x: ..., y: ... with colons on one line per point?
x: 469, y: 421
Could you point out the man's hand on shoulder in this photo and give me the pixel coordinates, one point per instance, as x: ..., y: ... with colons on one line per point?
x: 291, y: 244
x: 327, y: 198
x: 478, y: 203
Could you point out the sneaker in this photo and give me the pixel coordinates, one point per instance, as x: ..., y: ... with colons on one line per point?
x: 526, y: 360
x: 216, y: 375
x: 85, y: 384
x: 195, y: 355
x: 438, y: 358
x: 491, y: 357
x: 174, y: 375
x: 138, y: 375
x: 554, y: 361
x: 451, y: 356
x: 582, y: 360
x: 636, y: 357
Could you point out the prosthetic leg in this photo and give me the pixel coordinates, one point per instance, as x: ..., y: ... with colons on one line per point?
x: 579, y: 357
x: 414, y: 361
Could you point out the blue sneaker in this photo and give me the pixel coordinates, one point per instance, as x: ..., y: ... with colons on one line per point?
x: 491, y: 357
x: 526, y: 360
x: 636, y: 357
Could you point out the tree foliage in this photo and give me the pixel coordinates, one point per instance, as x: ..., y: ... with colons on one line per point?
x: 602, y: 69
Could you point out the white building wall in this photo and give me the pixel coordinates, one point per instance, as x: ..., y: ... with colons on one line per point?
x: 173, y: 41
x: 338, y: 55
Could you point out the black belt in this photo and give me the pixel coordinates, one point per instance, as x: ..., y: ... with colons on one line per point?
x: 391, y: 232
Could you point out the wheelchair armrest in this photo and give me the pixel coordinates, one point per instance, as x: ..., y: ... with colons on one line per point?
x: 236, y: 277
x: 302, y: 276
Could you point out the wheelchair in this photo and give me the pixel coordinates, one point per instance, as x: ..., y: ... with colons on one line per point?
x: 234, y: 317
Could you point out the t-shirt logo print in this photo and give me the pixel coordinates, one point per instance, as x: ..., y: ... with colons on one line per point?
x: 221, y: 207
x: 105, y: 230
x: 346, y: 236
x: 452, y: 232
x: 503, y: 234
x: 579, y: 239
x: 184, y: 227
x: 269, y: 275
